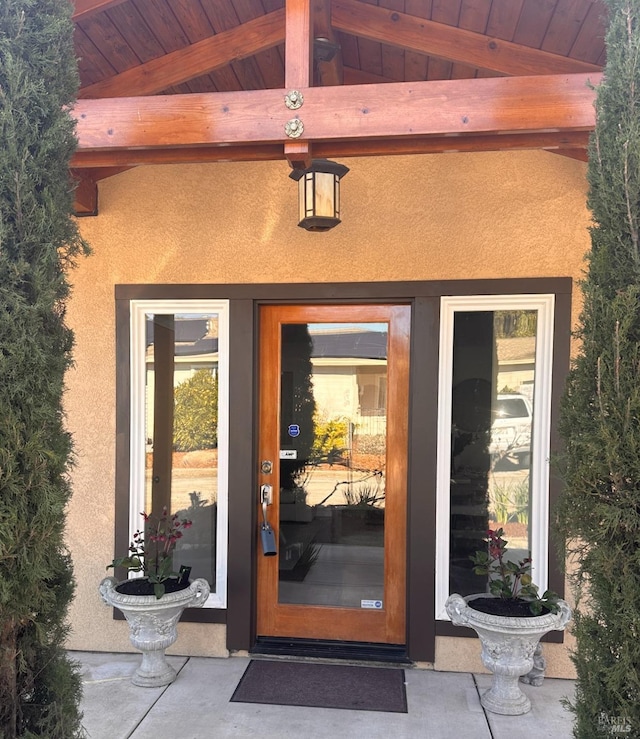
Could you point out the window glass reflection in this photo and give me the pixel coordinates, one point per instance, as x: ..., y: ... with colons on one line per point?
x: 181, y: 422
x: 332, y: 464
x: 491, y: 425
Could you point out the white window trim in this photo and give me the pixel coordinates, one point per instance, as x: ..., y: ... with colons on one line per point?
x: 139, y: 311
x: 539, y: 470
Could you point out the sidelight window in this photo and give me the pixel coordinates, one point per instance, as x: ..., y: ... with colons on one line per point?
x: 179, y: 427
x: 493, y: 429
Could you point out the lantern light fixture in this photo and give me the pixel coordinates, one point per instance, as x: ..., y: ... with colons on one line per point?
x: 319, y: 194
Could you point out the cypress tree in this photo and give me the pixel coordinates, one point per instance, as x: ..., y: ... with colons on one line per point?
x: 599, y: 513
x: 39, y: 240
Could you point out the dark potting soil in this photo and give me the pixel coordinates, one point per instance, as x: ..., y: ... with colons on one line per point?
x: 141, y: 586
x: 502, y: 607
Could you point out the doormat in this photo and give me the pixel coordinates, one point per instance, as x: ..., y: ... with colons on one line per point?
x: 285, y: 683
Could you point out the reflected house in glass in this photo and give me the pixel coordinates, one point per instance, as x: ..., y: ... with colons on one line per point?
x: 429, y: 310
x: 516, y: 364
x: 332, y: 496
x: 349, y: 375
x: 195, y: 348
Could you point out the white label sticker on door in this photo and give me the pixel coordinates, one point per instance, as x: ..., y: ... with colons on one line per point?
x: 288, y: 454
x: 370, y: 604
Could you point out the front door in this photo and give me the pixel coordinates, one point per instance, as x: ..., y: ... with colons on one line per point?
x: 333, y: 471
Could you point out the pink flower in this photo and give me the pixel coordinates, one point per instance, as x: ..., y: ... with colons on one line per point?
x: 151, y: 549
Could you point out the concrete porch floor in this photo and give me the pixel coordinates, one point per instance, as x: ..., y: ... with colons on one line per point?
x: 441, y: 705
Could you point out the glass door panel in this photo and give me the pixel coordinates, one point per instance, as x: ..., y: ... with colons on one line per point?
x: 332, y: 464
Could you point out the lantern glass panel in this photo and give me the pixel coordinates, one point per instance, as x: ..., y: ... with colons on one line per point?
x: 324, y: 199
x: 308, y: 207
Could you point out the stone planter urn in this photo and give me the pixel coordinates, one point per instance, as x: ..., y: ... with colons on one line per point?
x: 508, y: 646
x: 153, y: 625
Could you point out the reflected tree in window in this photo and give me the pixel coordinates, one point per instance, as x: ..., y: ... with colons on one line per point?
x: 182, y: 429
x: 195, y: 422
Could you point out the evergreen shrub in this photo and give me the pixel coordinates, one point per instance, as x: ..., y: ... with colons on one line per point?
x: 599, y: 514
x: 39, y: 240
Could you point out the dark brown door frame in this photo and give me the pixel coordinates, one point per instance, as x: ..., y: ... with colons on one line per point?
x: 244, y: 303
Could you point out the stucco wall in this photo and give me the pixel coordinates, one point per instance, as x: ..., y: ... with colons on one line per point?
x: 404, y: 218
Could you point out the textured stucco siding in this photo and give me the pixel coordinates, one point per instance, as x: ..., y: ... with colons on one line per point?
x: 431, y: 217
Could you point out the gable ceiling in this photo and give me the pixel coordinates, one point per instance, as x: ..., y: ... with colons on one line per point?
x: 205, y: 80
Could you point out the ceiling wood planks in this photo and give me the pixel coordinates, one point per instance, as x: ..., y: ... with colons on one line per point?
x: 449, y: 43
x: 431, y: 40
x: 195, y: 60
x: 86, y: 8
x: 387, y: 77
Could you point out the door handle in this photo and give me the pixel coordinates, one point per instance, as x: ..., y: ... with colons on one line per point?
x: 266, y: 498
x: 266, y: 494
x: 267, y: 535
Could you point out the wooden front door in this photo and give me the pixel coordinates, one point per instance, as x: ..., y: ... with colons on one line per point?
x: 332, y: 462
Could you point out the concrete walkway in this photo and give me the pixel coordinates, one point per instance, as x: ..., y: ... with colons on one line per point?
x: 442, y: 705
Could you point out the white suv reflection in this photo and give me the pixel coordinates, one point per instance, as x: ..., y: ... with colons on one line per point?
x: 511, y: 428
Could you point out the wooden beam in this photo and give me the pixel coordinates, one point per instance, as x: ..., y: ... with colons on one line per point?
x: 580, y: 154
x: 86, y: 8
x: 549, y: 141
x: 126, y: 158
x: 513, y: 105
x: 85, y: 202
x: 448, y: 42
x: 200, y: 58
x: 297, y: 71
x: 99, y: 173
x: 85, y: 196
x: 298, y: 154
x: 570, y: 144
x: 298, y: 60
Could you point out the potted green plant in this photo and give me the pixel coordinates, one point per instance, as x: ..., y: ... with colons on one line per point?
x: 153, y: 603
x: 510, y: 620
x: 151, y: 552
